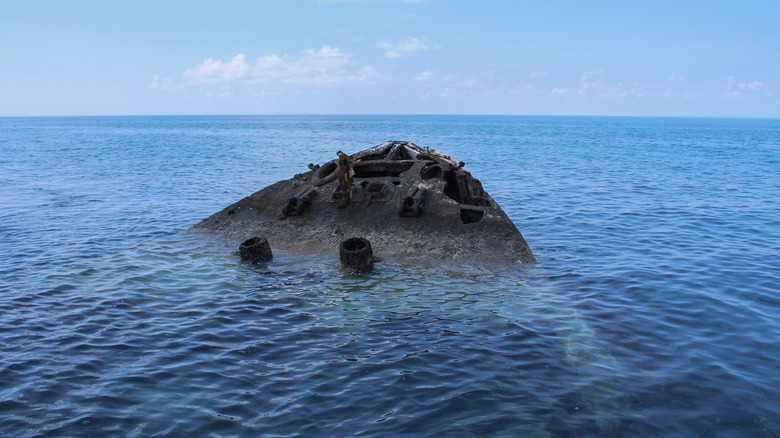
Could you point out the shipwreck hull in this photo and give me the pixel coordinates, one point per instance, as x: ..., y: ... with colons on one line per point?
x: 409, y: 202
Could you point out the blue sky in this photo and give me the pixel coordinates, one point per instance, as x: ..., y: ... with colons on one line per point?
x: 650, y: 58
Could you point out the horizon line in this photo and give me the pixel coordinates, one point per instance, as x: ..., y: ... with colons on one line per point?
x: 380, y: 114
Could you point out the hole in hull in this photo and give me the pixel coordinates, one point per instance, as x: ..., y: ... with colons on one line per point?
x: 464, y: 189
x: 469, y: 216
x: 432, y: 171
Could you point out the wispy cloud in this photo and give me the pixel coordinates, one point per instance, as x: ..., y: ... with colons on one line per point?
x: 368, y: 74
x: 528, y: 88
x: 753, y: 86
x: 322, y: 66
x: 735, y: 90
x: 455, y: 85
x: 592, y: 82
x: 410, y: 44
x: 159, y: 83
x: 211, y: 70
x: 731, y: 93
x: 425, y: 76
x: 538, y: 82
x: 430, y: 77
x: 524, y: 88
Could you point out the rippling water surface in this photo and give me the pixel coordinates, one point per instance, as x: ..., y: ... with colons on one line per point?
x: 653, y: 310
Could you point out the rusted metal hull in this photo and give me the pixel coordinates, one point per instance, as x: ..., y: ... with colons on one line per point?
x: 409, y: 202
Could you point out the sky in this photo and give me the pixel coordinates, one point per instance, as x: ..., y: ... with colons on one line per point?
x: 623, y: 58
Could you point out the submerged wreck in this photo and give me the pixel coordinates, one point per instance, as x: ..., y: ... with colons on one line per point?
x: 408, y: 201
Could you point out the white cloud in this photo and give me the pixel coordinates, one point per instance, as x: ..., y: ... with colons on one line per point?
x: 735, y: 90
x: 675, y: 77
x: 410, y: 44
x: 210, y: 70
x: 592, y: 82
x: 430, y: 77
x: 323, y: 66
x: 731, y: 93
x: 425, y: 76
x: 368, y: 74
x: 455, y: 85
x: 159, y: 83
x: 753, y: 86
x: 527, y: 88
x: 537, y: 74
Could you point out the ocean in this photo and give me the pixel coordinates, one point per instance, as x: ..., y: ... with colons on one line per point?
x: 652, y: 310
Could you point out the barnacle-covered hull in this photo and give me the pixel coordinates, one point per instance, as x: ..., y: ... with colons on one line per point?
x: 406, y: 200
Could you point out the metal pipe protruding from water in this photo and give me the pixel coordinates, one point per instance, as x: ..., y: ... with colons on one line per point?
x: 356, y: 254
x: 256, y: 250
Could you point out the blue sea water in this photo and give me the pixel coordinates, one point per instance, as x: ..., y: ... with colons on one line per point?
x: 652, y: 310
